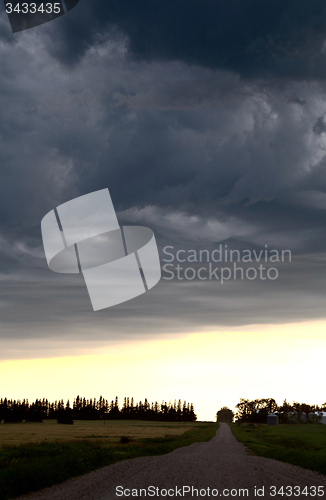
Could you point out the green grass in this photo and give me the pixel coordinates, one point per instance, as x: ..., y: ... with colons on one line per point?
x: 30, y: 467
x: 303, y: 445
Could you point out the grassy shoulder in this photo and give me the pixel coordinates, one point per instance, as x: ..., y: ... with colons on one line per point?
x: 302, y: 444
x: 32, y: 466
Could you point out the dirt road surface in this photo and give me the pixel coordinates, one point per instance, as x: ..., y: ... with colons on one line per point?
x: 221, y: 468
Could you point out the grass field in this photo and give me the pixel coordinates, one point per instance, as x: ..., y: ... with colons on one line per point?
x: 109, y: 431
x: 33, y: 456
x: 303, y: 445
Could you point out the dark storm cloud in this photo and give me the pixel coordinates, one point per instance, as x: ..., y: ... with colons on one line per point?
x: 294, y: 99
x: 199, y: 155
x: 252, y: 37
x: 320, y: 126
x: 179, y: 139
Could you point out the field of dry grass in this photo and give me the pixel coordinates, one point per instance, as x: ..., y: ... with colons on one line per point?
x: 109, y: 431
x: 36, y: 455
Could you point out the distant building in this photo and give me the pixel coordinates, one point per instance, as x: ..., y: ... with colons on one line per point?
x: 321, y: 417
x: 272, y: 419
x: 317, y: 417
x: 299, y: 417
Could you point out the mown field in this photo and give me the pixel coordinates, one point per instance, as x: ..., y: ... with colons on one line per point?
x: 302, y: 444
x: 37, y: 455
x: 91, y: 430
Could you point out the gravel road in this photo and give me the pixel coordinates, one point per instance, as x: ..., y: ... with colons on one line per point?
x: 221, y: 465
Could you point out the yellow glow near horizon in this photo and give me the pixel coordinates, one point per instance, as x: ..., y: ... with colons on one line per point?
x: 208, y: 369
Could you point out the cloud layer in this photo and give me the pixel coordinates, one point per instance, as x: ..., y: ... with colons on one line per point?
x: 253, y: 38
x: 206, y: 121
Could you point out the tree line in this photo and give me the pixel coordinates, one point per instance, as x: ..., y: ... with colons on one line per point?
x: 94, y: 409
x: 256, y: 411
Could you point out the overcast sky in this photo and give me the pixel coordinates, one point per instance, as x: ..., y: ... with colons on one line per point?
x: 206, y: 120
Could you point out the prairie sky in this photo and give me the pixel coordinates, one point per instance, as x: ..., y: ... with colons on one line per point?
x: 206, y: 120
